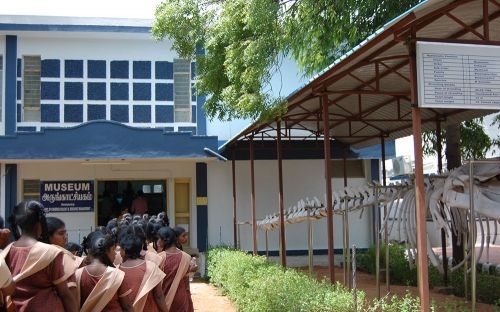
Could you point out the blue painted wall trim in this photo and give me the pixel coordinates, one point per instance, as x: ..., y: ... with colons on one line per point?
x: 83, y: 28
x: 201, y: 210
x: 10, y: 84
x: 10, y: 189
x: 60, y: 143
x: 201, y: 118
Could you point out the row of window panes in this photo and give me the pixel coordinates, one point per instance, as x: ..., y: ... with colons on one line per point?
x: 182, y: 86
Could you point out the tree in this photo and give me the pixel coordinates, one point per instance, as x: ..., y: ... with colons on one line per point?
x: 245, y: 40
x: 473, y: 142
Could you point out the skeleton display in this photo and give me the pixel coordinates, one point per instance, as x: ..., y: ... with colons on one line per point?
x: 446, y: 198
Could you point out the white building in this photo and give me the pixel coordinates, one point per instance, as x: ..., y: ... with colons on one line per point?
x: 89, y: 105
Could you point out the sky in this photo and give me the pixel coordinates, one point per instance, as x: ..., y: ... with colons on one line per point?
x: 289, y: 81
x: 87, y: 8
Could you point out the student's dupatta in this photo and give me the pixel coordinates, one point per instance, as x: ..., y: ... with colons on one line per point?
x: 5, y: 280
x: 70, y: 262
x: 103, y: 291
x: 39, y: 257
x: 153, y: 256
x: 181, y: 272
x: 5, y: 276
x: 153, y: 276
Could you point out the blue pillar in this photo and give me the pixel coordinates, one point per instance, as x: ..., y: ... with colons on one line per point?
x: 10, y: 84
x: 201, y: 118
x: 375, y: 169
x: 201, y: 206
x: 10, y: 189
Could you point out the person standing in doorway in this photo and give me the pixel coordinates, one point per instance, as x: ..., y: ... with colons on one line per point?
x: 140, y: 204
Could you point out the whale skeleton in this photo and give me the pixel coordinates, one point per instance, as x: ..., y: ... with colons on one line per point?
x: 446, y: 200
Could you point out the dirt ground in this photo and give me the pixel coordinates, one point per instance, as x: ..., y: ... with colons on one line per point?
x: 206, y: 298
x: 366, y: 282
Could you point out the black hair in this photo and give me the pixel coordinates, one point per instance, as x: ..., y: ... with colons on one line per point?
x: 131, y: 245
x: 74, y: 247
x: 152, y: 229
x: 25, y: 216
x: 2, y: 223
x: 111, y: 225
x: 99, y: 246
x: 163, y: 219
x: 168, y: 236
x: 53, y: 224
x: 179, y: 230
x: 136, y: 230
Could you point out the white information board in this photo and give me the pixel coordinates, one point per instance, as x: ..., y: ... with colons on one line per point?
x: 458, y: 75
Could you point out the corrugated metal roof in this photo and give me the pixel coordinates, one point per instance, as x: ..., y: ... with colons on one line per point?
x: 385, y: 111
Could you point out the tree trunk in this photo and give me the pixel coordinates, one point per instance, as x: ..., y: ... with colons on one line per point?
x: 454, y: 160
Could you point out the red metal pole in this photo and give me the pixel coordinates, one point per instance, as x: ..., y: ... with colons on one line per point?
x: 233, y: 165
x: 486, y: 20
x: 422, y: 265
x: 328, y: 183
x: 254, y: 220
x: 281, y: 203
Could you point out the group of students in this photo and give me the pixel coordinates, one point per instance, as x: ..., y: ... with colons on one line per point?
x: 132, y: 264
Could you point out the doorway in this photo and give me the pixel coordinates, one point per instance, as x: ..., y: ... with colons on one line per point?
x: 182, y: 201
x: 115, y: 197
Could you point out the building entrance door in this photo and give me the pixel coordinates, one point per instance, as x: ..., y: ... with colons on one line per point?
x: 182, y: 204
x: 115, y: 197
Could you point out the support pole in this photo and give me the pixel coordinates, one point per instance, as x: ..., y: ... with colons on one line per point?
x: 439, y: 150
x: 345, y: 229
x: 473, y: 235
x: 423, y: 277
x: 310, y: 242
x: 233, y: 166
x: 328, y: 185
x: 386, y: 232
x: 254, y: 219
x: 281, y: 203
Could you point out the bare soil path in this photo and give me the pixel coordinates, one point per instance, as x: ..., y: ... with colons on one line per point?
x: 207, y: 298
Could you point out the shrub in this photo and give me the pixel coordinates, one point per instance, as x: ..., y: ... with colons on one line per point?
x: 253, y: 284
x: 400, y: 272
x: 396, y: 304
x: 487, y: 286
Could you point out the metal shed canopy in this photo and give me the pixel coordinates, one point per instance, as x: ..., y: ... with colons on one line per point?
x: 369, y: 92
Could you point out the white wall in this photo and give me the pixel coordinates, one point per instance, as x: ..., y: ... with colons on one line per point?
x: 99, y: 49
x: 64, y: 47
x: 136, y: 170
x: 302, y: 178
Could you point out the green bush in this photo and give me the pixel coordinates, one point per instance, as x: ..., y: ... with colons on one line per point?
x: 396, y: 304
x: 253, y: 284
x: 487, y: 286
x: 400, y: 272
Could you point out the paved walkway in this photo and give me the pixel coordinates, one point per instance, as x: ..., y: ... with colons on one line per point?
x: 206, y: 298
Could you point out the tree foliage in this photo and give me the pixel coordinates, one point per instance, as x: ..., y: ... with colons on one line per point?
x: 474, y: 142
x: 245, y: 41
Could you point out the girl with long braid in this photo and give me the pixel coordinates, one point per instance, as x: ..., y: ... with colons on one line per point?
x: 101, y: 286
x: 176, y: 267
x: 36, y: 267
